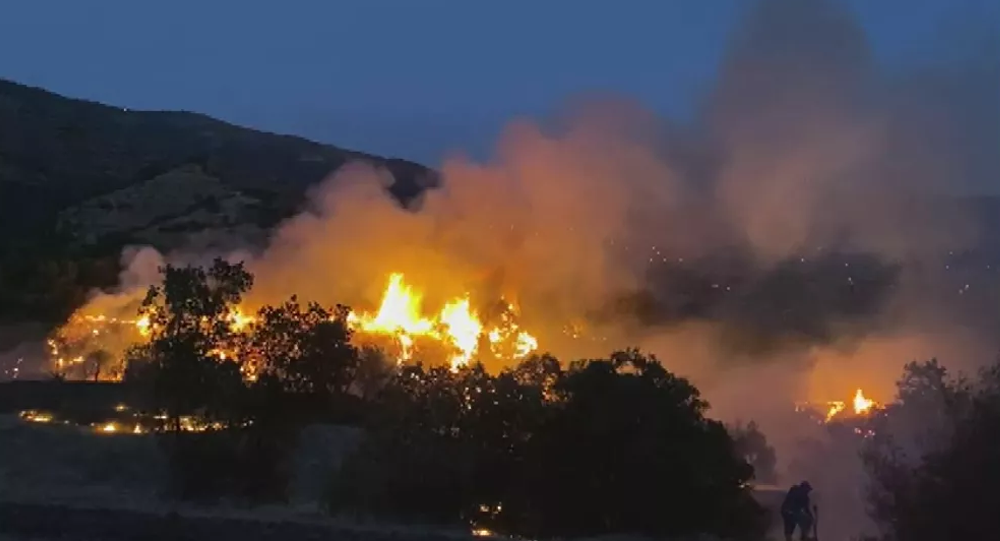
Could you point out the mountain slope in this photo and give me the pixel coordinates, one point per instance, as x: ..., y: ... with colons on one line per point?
x: 79, y: 180
x: 58, y: 152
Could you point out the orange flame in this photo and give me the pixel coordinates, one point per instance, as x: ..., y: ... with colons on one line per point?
x: 456, y: 325
x: 862, y: 405
x: 399, y: 316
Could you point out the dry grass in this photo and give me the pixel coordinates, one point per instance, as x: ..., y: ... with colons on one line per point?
x: 74, y: 466
x: 66, y: 464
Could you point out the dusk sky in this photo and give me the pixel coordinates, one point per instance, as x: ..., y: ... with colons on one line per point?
x: 409, y: 78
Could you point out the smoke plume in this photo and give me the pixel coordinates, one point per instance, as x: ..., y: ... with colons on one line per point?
x: 796, y: 241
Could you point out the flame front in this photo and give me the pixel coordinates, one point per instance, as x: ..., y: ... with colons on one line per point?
x: 456, y: 325
x: 399, y: 317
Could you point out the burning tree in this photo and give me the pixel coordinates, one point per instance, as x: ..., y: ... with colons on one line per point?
x: 602, y: 446
x: 187, y: 357
x: 456, y: 334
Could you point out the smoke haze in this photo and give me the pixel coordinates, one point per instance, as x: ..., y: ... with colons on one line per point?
x: 792, y: 243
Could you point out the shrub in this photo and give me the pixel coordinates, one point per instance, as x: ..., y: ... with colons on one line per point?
x: 615, y: 445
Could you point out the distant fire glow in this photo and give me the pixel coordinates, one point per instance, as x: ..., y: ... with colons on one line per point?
x: 860, y: 406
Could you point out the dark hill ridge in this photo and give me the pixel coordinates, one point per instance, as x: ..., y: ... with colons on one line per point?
x: 58, y: 152
x: 79, y: 180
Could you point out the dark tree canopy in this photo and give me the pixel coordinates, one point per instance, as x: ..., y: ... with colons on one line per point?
x: 308, y: 350
x: 609, y: 445
x: 539, y: 449
x: 189, y: 328
x: 751, y: 444
x: 937, y: 465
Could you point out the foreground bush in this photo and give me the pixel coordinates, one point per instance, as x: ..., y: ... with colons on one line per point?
x: 196, y: 363
x: 935, y: 463
x: 608, y: 446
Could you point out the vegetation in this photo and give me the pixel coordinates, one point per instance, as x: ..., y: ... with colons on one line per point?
x: 540, y: 449
x: 752, y: 445
x: 936, y: 461
x: 601, y: 446
x: 44, y: 276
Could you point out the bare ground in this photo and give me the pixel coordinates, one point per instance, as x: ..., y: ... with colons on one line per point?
x: 44, y: 521
x: 64, y: 483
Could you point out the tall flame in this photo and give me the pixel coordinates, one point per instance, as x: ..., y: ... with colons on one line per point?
x: 862, y: 405
x: 456, y: 325
x: 399, y: 316
x: 463, y: 328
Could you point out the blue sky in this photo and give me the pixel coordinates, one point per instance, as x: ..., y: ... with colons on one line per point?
x: 409, y: 78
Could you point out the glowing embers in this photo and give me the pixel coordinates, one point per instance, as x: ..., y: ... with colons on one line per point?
x: 35, y: 416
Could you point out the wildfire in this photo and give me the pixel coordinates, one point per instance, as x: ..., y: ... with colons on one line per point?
x: 142, y: 325
x: 833, y: 408
x: 238, y: 321
x: 400, y: 318
x: 860, y: 406
x: 88, y: 340
x: 456, y: 325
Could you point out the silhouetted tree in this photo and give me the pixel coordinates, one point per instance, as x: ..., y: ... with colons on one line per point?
x: 613, y: 445
x: 542, y: 372
x: 440, y: 444
x: 373, y: 372
x: 309, y: 351
x: 188, y: 368
x: 190, y: 333
x: 934, y: 462
x: 752, y: 446
x: 628, y: 449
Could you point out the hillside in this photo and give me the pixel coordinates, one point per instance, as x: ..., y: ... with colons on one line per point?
x: 79, y: 180
x: 110, y: 171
